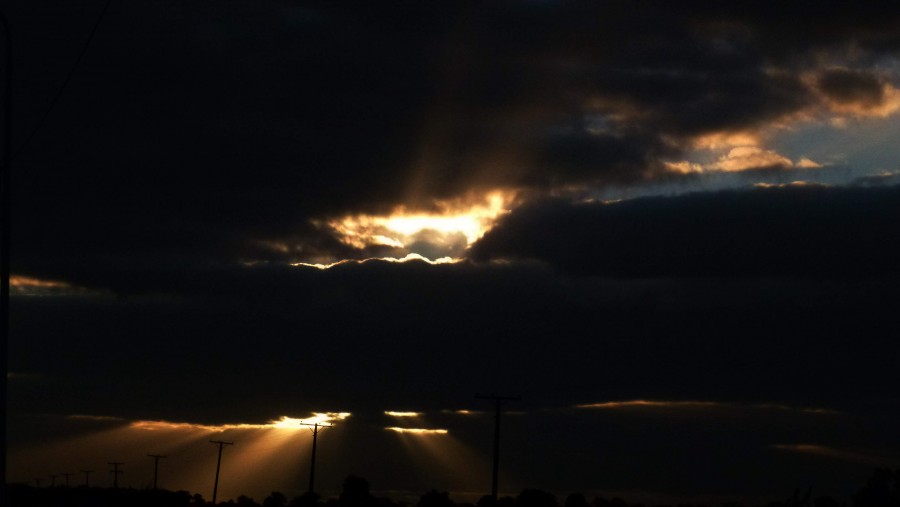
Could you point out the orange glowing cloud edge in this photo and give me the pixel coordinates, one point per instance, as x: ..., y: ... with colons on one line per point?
x: 854, y: 455
x: 28, y: 281
x: 397, y: 413
x: 284, y: 422
x: 418, y: 431
x: 452, y: 226
x: 699, y: 404
x: 743, y: 150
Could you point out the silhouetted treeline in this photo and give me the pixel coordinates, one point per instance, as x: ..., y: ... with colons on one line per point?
x: 881, y: 490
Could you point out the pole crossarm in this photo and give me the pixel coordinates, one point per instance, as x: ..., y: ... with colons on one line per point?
x: 312, y: 465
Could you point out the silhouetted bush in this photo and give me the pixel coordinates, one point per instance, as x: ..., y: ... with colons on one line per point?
x: 535, y: 498
x: 576, y: 500
x: 882, y: 490
x: 435, y: 498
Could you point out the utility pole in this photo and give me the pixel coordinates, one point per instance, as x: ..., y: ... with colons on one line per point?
x: 312, y: 464
x: 115, y: 471
x: 218, y: 465
x: 37, y: 482
x: 52, y: 481
x: 5, y: 229
x: 67, y: 475
x: 155, y: 467
x: 87, y: 478
x: 498, y: 400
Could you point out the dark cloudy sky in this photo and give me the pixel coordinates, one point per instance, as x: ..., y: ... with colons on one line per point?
x: 672, y: 228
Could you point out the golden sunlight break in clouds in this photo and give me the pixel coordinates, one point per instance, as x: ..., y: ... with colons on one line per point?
x: 284, y: 422
x: 451, y: 226
x: 418, y: 431
x: 394, y: 413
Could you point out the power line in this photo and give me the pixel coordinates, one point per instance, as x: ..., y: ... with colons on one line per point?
x: 65, y: 83
x: 67, y: 475
x: 218, y: 465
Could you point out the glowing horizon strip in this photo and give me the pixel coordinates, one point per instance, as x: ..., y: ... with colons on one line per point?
x: 649, y: 403
x: 418, y: 431
x: 28, y: 281
x: 393, y: 413
x: 409, y: 257
x: 832, y: 452
x: 461, y: 411
x: 611, y: 405
x: 284, y: 422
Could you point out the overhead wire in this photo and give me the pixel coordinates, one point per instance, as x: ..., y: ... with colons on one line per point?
x: 65, y: 83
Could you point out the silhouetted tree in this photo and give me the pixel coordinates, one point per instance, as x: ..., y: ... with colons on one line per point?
x: 355, y: 493
x: 435, y: 498
x: 576, y: 500
x: 245, y: 501
x: 826, y: 501
x: 485, y: 501
x: 276, y: 499
x: 535, y: 498
x: 308, y: 499
x: 882, y: 490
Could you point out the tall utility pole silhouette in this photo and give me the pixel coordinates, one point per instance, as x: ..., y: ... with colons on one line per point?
x: 67, y: 475
x: 87, y: 478
x: 312, y: 464
x: 218, y: 465
x: 115, y: 471
x: 52, y: 481
x: 155, y: 467
x: 498, y: 400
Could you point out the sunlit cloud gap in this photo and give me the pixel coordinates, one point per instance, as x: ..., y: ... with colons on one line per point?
x: 700, y: 404
x: 284, y: 422
x: 448, y: 226
x: 407, y: 258
x: 461, y: 412
x: 418, y: 431
x: 27, y: 281
x: 394, y: 413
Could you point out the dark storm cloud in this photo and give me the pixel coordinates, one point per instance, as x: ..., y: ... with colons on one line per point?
x: 791, y: 231
x: 205, y: 132
x: 264, y: 341
x: 849, y: 87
